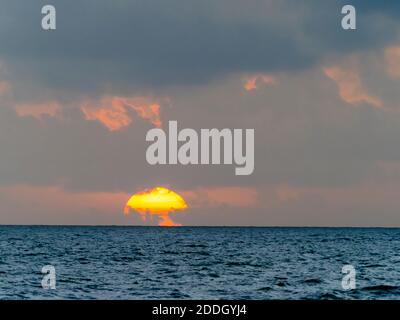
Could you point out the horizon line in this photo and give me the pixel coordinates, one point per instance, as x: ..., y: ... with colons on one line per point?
x: 195, y: 226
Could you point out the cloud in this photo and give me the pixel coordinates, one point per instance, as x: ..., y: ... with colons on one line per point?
x: 38, y: 110
x: 145, y: 108
x: 231, y: 196
x: 5, y: 87
x: 112, y: 111
x: 392, y: 58
x: 186, y: 44
x: 287, y: 193
x: 350, y: 86
x: 367, y: 204
x: 253, y: 81
x: 53, y: 204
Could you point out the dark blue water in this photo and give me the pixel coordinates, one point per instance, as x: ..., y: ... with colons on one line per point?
x: 198, y: 263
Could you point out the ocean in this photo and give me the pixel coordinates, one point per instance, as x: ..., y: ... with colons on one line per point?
x: 198, y: 262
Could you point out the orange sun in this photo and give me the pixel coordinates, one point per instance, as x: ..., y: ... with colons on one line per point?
x: 158, y: 201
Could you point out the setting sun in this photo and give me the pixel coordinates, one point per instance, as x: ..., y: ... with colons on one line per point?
x: 158, y: 201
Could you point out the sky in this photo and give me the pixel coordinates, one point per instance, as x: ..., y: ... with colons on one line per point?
x: 76, y: 104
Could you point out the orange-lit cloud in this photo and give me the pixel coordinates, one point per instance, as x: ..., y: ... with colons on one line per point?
x: 112, y: 111
x: 145, y: 108
x: 392, y: 59
x: 253, y: 81
x: 158, y: 201
x: 222, y: 196
x: 350, y: 87
x: 38, y: 110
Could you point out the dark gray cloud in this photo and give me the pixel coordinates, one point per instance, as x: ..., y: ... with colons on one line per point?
x: 144, y: 45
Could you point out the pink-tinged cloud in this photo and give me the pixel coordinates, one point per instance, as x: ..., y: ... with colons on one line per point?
x: 113, y: 111
x: 366, y: 195
x: 392, y: 61
x: 252, y: 82
x: 5, y: 87
x: 38, y: 110
x: 55, y: 198
x: 350, y: 86
x: 286, y: 193
x: 389, y: 170
x: 239, y: 197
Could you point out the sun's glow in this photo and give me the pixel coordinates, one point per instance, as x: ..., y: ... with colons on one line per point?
x: 158, y: 201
